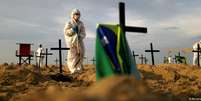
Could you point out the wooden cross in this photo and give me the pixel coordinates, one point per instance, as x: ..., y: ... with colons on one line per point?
x: 46, y: 56
x: 123, y: 24
x: 198, y: 54
x: 152, y: 53
x: 93, y: 60
x: 135, y: 55
x: 60, y: 55
x: 141, y: 58
x: 145, y: 60
x: 56, y: 61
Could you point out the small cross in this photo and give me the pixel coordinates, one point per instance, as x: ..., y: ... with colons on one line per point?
x: 46, y: 56
x: 145, y: 60
x: 141, y: 58
x: 56, y: 61
x: 60, y: 56
x: 198, y: 54
x: 93, y: 60
x: 135, y: 55
x: 152, y: 53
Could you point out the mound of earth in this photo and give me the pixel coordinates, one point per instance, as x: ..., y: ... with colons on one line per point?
x: 168, y: 82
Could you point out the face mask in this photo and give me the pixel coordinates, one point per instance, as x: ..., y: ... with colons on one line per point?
x: 76, y: 17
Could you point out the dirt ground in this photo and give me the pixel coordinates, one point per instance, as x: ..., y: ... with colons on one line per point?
x: 163, y: 82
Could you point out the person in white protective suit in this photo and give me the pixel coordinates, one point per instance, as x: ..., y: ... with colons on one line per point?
x: 195, y: 54
x: 39, y: 58
x: 169, y: 59
x: 74, y: 33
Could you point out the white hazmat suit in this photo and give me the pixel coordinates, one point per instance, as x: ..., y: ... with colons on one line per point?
x: 169, y: 59
x: 74, y: 33
x: 39, y: 58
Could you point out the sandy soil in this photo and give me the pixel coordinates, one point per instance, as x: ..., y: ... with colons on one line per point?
x: 164, y: 82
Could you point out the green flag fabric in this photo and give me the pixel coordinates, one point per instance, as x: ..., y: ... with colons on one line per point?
x: 113, y: 55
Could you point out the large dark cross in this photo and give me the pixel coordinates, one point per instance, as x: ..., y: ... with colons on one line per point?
x: 46, y: 56
x: 152, y: 53
x: 142, y: 58
x: 60, y: 55
x: 122, y: 22
x: 135, y: 55
x: 198, y: 54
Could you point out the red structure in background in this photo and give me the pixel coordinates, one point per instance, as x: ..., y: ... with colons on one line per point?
x: 24, y: 53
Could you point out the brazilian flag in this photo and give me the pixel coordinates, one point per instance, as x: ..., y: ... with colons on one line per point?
x: 113, y: 55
